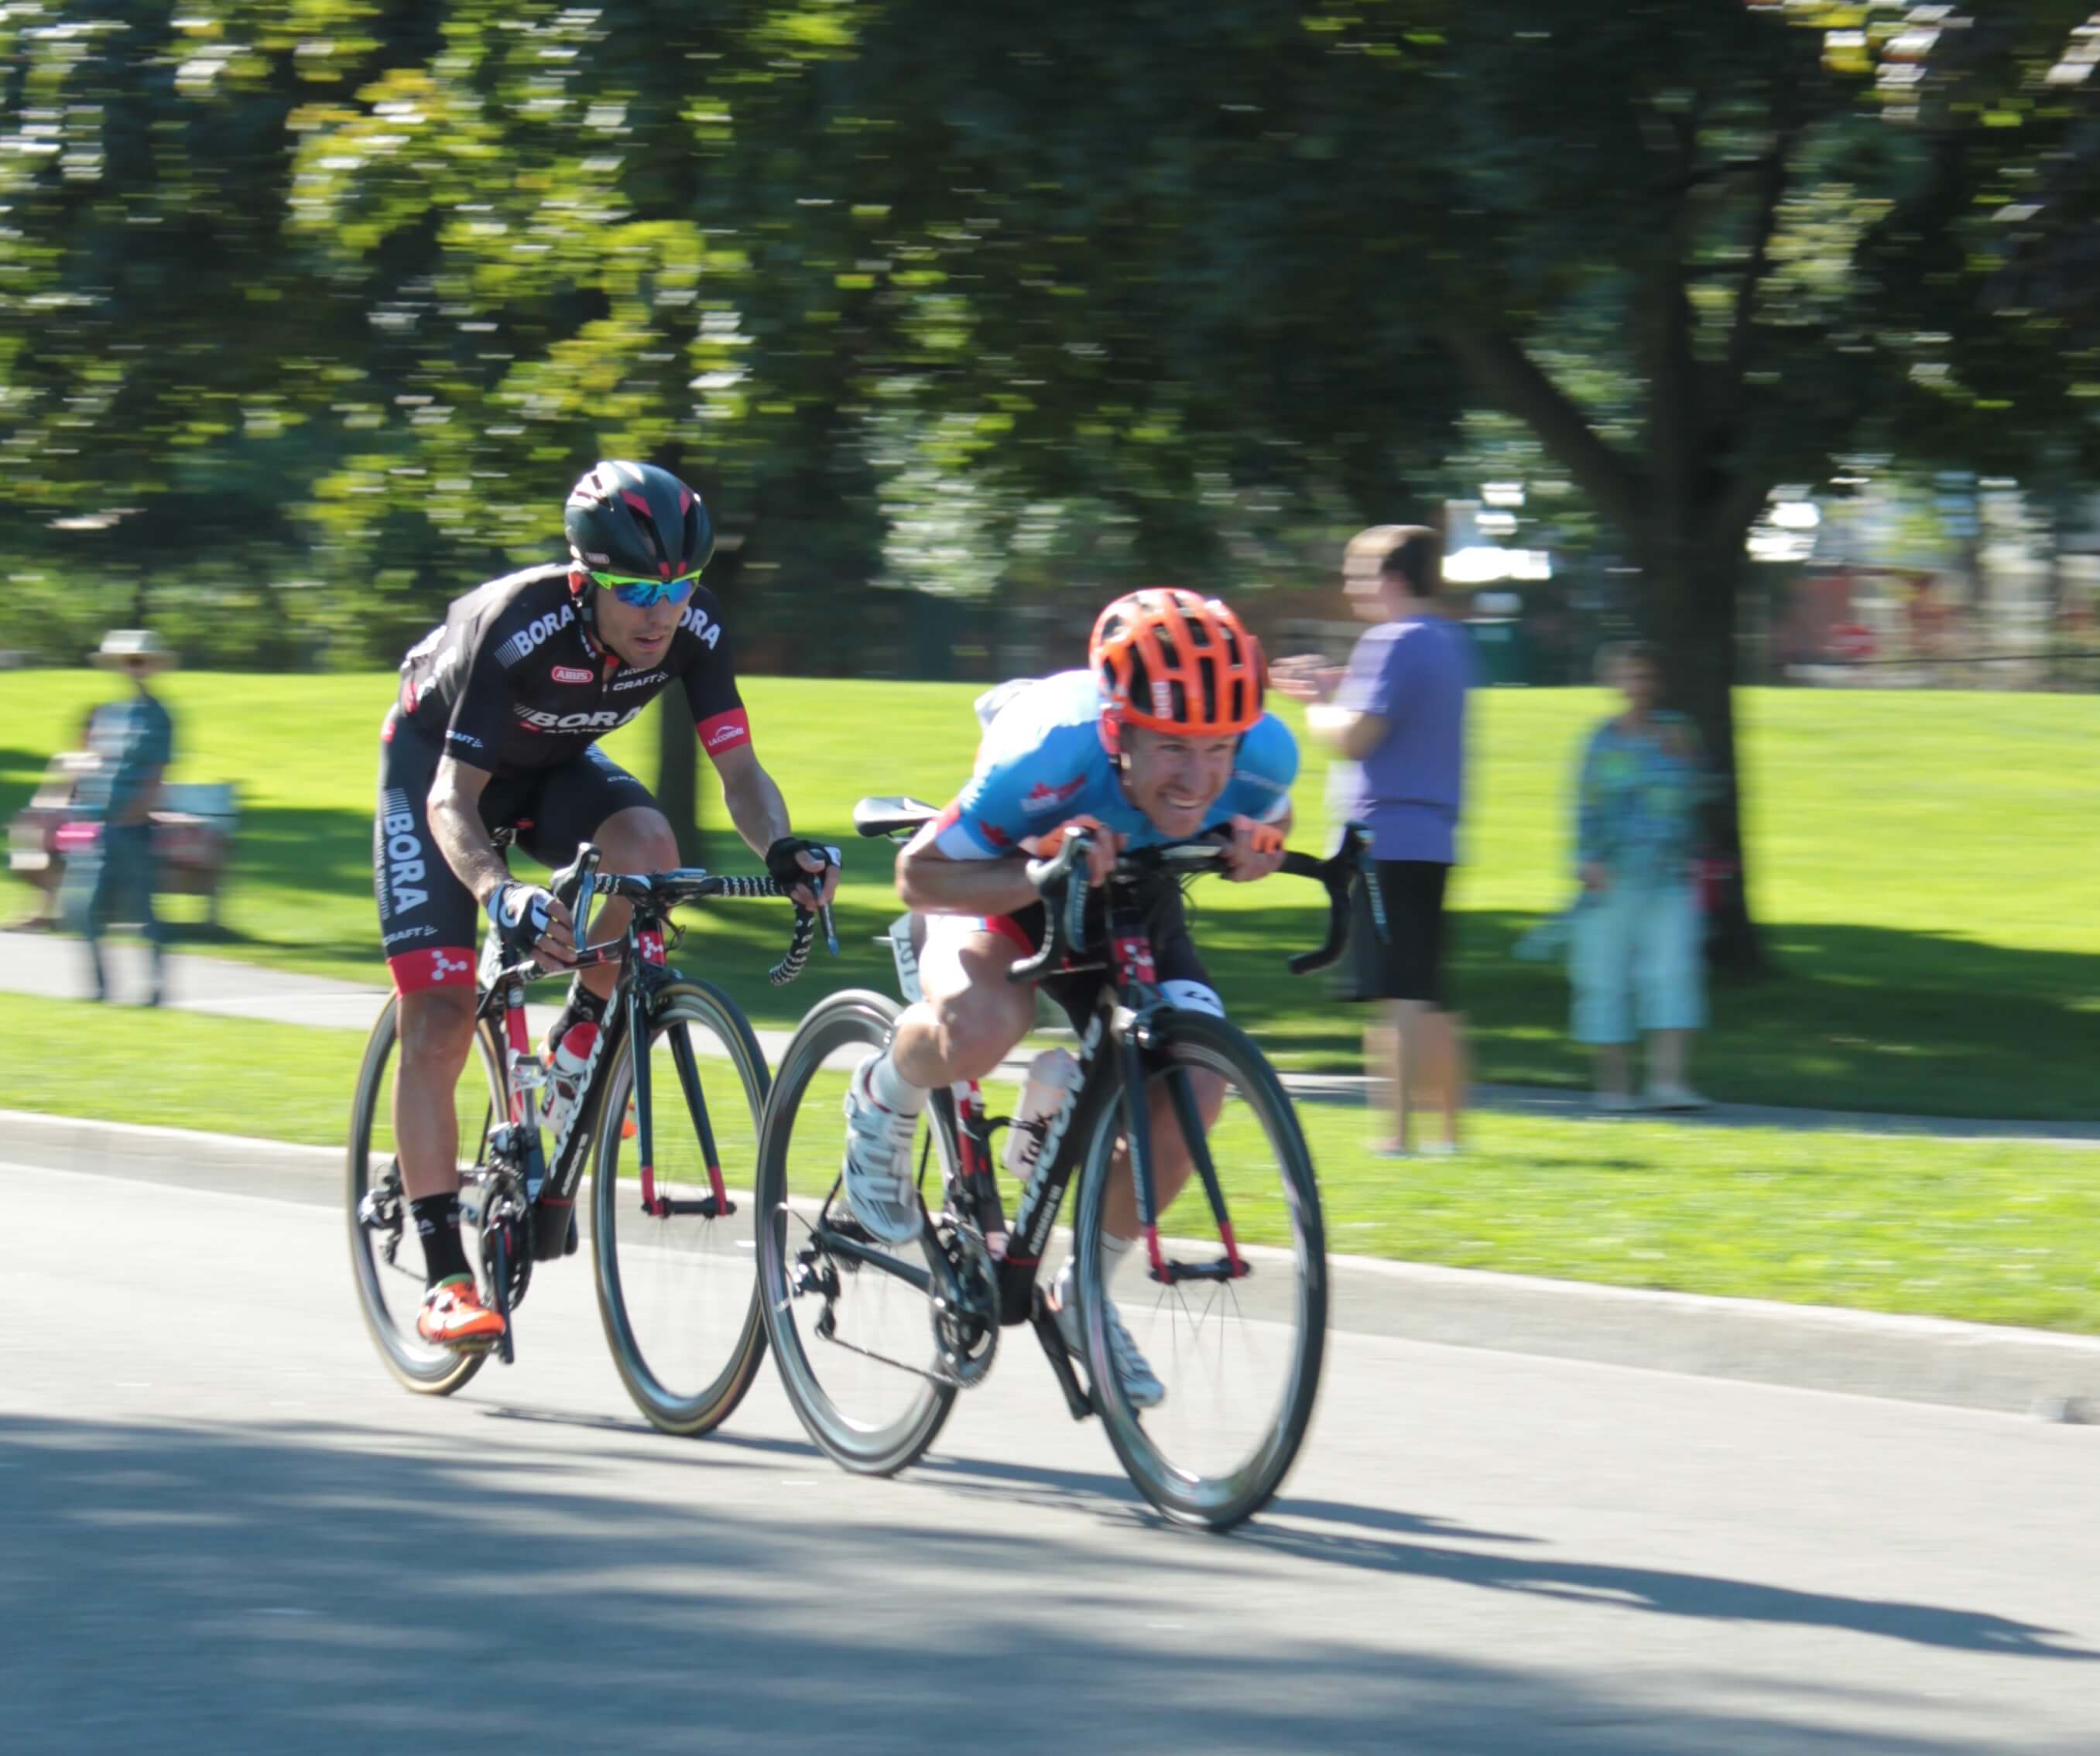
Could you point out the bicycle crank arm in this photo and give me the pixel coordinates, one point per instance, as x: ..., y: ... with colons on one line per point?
x: 1045, y: 1326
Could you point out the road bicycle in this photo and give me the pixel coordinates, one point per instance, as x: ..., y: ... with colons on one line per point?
x: 874, y: 1341
x: 672, y: 1256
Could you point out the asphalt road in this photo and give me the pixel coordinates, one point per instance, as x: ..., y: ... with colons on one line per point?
x: 222, y: 1524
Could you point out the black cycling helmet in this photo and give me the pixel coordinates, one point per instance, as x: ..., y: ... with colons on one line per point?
x: 637, y: 519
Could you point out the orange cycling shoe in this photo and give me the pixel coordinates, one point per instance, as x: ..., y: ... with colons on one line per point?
x: 454, y: 1317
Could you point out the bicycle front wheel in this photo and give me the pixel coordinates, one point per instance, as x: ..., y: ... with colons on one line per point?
x: 678, y: 1282
x: 1239, y: 1360
x: 858, y: 1348
x: 389, y: 1289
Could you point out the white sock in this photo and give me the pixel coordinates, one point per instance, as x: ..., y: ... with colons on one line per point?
x: 892, y: 1090
x: 1114, y: 1252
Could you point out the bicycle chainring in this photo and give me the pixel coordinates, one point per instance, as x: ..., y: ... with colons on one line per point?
x: 967, y: 1333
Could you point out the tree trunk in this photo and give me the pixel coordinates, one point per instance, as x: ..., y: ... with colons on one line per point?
x: 1693, y: 597
x: 677, y: 790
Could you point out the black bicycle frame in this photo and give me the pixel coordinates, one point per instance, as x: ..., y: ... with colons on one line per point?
x: 639, y: 952
x: 1128, y: 1032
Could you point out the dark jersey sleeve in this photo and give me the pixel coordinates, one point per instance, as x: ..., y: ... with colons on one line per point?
x: 719, y: 719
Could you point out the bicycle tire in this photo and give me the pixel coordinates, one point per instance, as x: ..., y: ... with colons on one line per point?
x: 706, y: 1407
x: 1202, y: 1041
x: 428, y: 1371
x: 856, y: 1017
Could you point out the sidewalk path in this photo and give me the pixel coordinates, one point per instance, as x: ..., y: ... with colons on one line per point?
x: 41, y: 964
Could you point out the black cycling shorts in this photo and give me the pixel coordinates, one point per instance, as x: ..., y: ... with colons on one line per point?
x: 430, y: 924
x: 1410, y: 967
x: 1176, y: 965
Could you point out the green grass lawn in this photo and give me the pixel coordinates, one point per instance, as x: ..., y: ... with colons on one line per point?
x: 1924, y: 864
x: 2002, y: 1232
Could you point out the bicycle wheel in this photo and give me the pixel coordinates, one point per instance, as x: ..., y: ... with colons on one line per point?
x: 857, y: 1348
x: 390, y: 1277
x: 1240, y: 1360
x: 678, y: 1291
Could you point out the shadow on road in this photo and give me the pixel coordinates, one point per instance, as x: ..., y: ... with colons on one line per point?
x: 194, y: 1587
x: 1672, y: 1593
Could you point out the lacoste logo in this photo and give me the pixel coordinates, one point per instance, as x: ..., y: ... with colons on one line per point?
x: 722, y: 734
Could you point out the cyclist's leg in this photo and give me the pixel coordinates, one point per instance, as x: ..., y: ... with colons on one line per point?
x: 592, y: 798
x: 969, y: 1019
x: 427, y: 922
x: 1187, y: 983
x: 972, y: 1016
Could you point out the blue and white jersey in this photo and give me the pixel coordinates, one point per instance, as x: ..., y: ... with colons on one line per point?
x: 1042, y: 762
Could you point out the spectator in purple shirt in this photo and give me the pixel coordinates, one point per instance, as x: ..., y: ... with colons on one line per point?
x: 1397, y: 716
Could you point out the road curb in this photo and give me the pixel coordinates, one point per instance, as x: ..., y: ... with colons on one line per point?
x: 1816, y: 1348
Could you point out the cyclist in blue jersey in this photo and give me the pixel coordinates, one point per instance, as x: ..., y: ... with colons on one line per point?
x: 1162, y: 738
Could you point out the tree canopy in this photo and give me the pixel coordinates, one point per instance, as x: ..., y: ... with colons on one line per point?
x: 315, y: 306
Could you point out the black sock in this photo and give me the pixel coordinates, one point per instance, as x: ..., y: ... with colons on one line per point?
x: 438, y: 1224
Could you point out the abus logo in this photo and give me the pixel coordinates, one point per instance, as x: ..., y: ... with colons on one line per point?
x: 527, y: 639
x: 604, y: 720
x: 695, y: 621
x: 405, y: 852
x: 1043, y: 796
x: 569, y: 673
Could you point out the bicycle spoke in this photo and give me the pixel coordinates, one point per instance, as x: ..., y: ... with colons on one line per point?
x: 1238, y: 1357
x: 856, y: 1342
x: 676, y: 1260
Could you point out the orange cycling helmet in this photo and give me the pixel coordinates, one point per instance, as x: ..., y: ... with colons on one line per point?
x: 1172, y: 661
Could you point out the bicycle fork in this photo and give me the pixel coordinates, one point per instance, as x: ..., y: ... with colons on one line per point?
x: 1137, y: 1131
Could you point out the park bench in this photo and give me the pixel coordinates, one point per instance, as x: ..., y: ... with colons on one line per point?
x: 193, y: 835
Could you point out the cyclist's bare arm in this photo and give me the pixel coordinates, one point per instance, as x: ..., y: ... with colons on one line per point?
x: 456, y: 825
x: 931, y: 882
x: 758, y: 809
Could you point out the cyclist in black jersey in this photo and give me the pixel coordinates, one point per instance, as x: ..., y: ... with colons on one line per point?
x: 497, y: 726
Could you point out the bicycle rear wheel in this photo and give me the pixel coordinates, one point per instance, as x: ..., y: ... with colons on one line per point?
x: 678, y: 1289
x: 390, y: 1291
x: 857, y: 1348
x: 1240, y: 1359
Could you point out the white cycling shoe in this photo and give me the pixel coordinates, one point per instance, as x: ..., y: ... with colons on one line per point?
x: 877, y: 1167
x: 1141, y: 1388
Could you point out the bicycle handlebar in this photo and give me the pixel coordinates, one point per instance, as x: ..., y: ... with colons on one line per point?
x: 1061, y: 882
x: 577, y: 883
